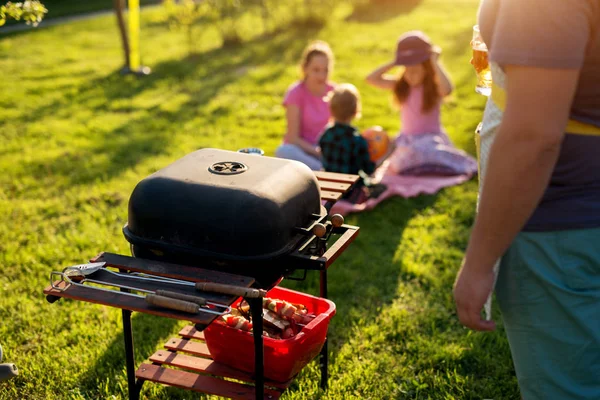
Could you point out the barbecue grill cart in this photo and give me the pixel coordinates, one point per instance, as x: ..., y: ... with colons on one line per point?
x: 223, y: 226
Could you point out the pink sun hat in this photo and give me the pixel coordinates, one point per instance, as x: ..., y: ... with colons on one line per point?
x: 414, y: 47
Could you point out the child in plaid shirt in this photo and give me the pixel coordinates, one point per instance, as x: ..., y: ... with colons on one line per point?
x: 343, y: 149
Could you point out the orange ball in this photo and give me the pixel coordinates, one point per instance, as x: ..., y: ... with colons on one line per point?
x: 378, y: 140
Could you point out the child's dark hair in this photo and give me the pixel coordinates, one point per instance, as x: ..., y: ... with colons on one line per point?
x: 431, y: 94
x: 344, y: 102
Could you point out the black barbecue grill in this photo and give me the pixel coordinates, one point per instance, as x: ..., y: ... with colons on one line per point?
x: 215, y: 218
x: 234, y: 212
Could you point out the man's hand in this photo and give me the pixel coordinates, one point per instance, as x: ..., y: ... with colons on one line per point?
x: 471, y: 290
x: 520, y: 164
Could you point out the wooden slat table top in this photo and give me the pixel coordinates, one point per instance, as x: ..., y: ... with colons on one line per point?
x: 335, y: 177
x: 188, y: 346
x: 197, y: 371
x: 200, y: 360
x: 206, y: 366
x: 201, y: 383
x: 334, y: 186
x: 330, y: 196
x: 189, y: 332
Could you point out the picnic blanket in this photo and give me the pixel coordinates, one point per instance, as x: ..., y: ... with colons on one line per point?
x: 420, y: 164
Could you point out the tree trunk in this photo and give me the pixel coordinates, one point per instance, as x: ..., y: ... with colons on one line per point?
x: 118, y: 6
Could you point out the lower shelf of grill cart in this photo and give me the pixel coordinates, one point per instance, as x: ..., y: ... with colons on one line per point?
x: 198, y: 372
x: 200, y: 383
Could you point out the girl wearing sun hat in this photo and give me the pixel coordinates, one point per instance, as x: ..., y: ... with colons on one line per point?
x: 423, y: 147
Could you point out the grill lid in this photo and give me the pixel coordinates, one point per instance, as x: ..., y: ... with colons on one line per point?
x: 224, y: 204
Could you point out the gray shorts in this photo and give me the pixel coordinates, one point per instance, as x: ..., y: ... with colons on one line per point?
x: 293, y: 152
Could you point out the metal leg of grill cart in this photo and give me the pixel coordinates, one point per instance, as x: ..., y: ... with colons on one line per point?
x: 256, y: 309
x: 324, y: 353
x: 134, y: 386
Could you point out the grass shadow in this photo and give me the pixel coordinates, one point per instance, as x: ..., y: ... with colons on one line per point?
x: 374, y: 11
x: 148, y: 331
x: 365, y: 278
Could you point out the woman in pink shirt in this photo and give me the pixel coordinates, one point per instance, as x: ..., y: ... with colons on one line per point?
x: 307, y: 112
x: 422, y: 147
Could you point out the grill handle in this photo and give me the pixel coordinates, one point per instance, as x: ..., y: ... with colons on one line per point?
x: 230, y: 289
x: 173, y: 304
x: 180, y: 296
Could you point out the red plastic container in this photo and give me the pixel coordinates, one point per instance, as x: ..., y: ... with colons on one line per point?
x: 283, y: 358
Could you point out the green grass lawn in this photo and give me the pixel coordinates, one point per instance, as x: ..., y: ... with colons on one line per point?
x: 76, y: 137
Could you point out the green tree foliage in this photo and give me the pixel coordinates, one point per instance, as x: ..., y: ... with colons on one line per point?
x: 314, y: 12
x: 224, y: 15
x: 185, y: 15
x: 193, y: 16
x: 31, y: 12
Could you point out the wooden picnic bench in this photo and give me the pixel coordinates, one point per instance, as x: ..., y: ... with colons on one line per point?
x: 188, y: 353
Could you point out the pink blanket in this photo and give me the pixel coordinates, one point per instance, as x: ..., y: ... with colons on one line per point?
x: 400, y: 185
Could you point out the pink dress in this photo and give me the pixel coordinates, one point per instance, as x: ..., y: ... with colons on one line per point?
x: 414, y: 120
x: 314, y: 110
x: 422, y: 147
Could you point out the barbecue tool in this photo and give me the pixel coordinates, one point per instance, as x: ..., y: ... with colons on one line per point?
x: 208, y: 286
x: 160, y: 298
x: 90, y: 268
x: 86, y: 269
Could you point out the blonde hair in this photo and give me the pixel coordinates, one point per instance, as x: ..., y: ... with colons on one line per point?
x: 344, y: 102
x: 316, y: 48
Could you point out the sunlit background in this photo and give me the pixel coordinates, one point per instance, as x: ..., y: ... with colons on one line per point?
x: 81, y: 123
